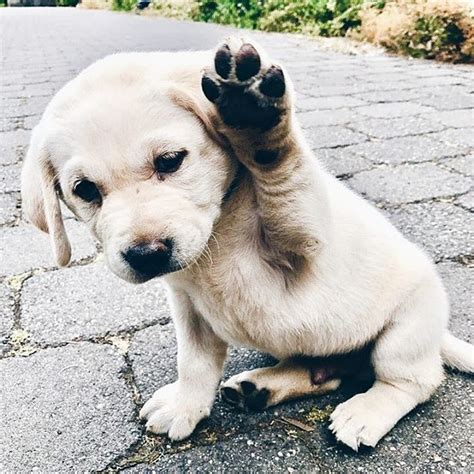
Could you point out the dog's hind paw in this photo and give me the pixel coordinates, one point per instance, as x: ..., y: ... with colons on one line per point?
x: 247, y: 90
x: 356, y: 422
x: 245, y: 395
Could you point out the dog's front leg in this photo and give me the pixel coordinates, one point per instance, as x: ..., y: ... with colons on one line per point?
x: 177, y: 408
x: 254, y: 107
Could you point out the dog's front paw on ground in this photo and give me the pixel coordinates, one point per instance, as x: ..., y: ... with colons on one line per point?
x: 245, y: 394
x: 357, y: 422
x: 248, y: 91
x: 172, y: 411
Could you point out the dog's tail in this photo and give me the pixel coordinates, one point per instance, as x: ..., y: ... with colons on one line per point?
x: 457, y: 354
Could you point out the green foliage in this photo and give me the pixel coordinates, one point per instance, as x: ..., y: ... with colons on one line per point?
x: 431, y: 29
x: 241, y: 13
x: 126, y: 5
x: 324, y: 17
x: 66, y: 3
x: 433, y: 36
x: 172, y: 9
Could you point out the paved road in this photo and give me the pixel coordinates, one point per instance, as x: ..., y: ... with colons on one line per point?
x: 82, y: 350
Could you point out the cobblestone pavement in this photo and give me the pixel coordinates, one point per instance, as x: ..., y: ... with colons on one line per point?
x: 82, y: 350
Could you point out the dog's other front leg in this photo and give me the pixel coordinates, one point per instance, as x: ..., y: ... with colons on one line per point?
x: 177, y: 408
x: 254, y: 107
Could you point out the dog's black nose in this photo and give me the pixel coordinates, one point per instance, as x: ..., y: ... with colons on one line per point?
x: 150, y: 259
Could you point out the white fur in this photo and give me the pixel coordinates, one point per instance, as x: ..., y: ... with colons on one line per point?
x: 360, y: 280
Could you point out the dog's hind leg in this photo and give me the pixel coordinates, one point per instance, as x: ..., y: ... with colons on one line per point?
x: 261, y: 388
x: 407, y: 365
x: 253, y: 101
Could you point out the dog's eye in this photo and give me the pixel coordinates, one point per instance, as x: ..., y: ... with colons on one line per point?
x: 169, y: 162
x: 87, y: 191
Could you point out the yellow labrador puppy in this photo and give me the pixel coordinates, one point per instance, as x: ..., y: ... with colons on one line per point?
x: 193, y: 165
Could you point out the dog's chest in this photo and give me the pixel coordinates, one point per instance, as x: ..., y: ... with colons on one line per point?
x: 232, y: 297
x: 247, y: 304
x: 247, y: 300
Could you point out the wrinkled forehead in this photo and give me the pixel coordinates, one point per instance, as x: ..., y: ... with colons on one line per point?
x: 121, y: 128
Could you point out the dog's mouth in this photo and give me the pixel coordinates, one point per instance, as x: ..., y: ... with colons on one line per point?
x: 143, y: 277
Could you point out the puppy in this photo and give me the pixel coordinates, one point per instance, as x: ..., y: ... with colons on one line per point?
x: 192, y: 166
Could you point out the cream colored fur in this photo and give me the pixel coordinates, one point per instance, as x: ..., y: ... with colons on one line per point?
x: 293, y: 263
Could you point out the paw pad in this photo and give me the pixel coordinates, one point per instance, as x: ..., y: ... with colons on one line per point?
x: 247, y: 62
x: 273, y: 83
x: 246, y: 396
x: 223, y: 61
x: 246, y: 94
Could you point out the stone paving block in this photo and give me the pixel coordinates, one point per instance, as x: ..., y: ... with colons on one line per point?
x: 388, y: 86
x: 13, y: 145
x: 397, y: 109
x: 408, y: 183
x: 425, y: 71
x: 8, y: 208
x: 459, y: 136
x: 455, y: 118
x: 27, y: 106
x: 459, y: 282
x: 448, y: 100
x: 319, y: 118
x: 390, y: 96
x: 334, y: 90
x: 398, y: 127
x: 11, y: 90
x: 6, y: 315
x: 394, y: 75
x: 461, y: 164
x: 10, y: 179
x: 272, y: 450
x: 438, y: 81
x: 99, y: 304
x: 466, y: 201
x: 28, y: 123
x: 24, y: 248
x: 9, y: 125
x: 444, y: 230
x: 65, y: 410
x: 399, y: 150
x: 324, y: 103
x: 153, y: 357
x: 342, y: 161
x: 308, y: 83
x: 327, y: 137
x: 11, y: 155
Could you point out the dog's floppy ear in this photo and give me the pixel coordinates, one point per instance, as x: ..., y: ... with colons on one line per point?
x: 40, y: 201
x: 188, y: 100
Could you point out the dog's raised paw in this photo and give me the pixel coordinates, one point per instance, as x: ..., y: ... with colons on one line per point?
x: 248, y: 92
x: 245, y: 395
